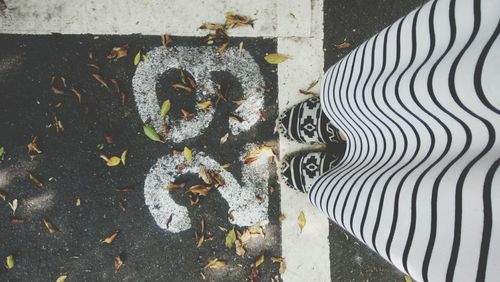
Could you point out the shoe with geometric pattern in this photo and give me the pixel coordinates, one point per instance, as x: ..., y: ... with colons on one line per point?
x: 306, y: 123
x: 300, y: 171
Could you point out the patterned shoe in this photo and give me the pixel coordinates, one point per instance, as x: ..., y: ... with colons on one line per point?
x: 300, y: 171
x: 306, y: 123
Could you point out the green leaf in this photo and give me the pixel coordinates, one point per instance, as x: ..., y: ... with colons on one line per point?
x: 275, y: 58
x: 9, y: 262
x: 145, y: 58
x: 137, y: 58
x: 165, y: 107
x: 2, y: 151
x: 230, y: 238
x: 151, y: 133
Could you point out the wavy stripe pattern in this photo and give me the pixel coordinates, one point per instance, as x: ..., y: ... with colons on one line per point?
x: 420, y: 105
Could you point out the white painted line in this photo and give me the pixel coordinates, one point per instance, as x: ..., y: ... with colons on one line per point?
x: 176, y: 17
x: 307, y: 254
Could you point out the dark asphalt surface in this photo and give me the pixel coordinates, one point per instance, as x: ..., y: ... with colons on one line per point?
x: 355, y: 21
x: 70, y: 167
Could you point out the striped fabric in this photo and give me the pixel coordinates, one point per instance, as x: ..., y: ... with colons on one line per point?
x: 419, y: 103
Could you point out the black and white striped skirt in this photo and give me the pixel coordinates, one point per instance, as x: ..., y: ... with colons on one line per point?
x: 420, y: 105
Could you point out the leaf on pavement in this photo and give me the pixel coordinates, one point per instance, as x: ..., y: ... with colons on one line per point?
x: 35, y: 180
x: 118, y: 52
x: 101, y: 80
x: 61, y: 278
x: 165, y: 107
x: 166, y: 39
x: 137, y: 58
x: 33, y: 149
x: 50, y: 227
x: 123, y: 157
x: 113, y: 161
x: 13, y: 206
x: 275, y: 58
x: 215, y: 264
x: 224, y: 138
x: 200, y: 190
x: 343, y: 45
x: 118, y: 262
x: 111, y: 237
x: 240, y: 250
x: 151, y: 133
x: 230, y: 238
x: 9, y: 262
x: 301, y: 220
x: 188, y: 154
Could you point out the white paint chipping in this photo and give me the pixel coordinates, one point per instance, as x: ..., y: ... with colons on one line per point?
x: 242, y: 199
x: 199, y: 62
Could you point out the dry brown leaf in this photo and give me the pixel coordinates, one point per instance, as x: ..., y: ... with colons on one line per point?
x: 192, y: 82
x: 166, y: 39
x: 122, y: 205
x: 101, y: 80
x: 35, y: 180
x: 215, y: 264
x: 33, y: 149
x: 343, y: 45
x: 200, y: 190
x: 217, y: 178
x: 211, y: 26
x: 77, y: 94
x: 235, y: 117
x: 222, y: 48
x: 118, y: 52
x: 240, y: 250
x: 233, y: 21
x: 174, y: 186
x: 187, y: 115
x: 254, y: 274
x: 308, y: 91
x: 204, y: 106
x: 224, y: 138
x: 203, y: 173
x: 57, y: 90
x: 261, y: 151
x: 125, y: 188
x: 179, y: 86
x: 50, y: 227
x: 281, y: 217
x: 3, y: 195
x: 259, y: 261
x: 118, y: 263
x: 17, y: 220
x: 110, y: 238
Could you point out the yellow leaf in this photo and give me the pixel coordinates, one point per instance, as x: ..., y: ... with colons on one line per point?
x: 259, y: 261
x: 215, y: 264
x: 113, y: 161
x: 137, y: 58
x: 124, y: 156
x: 9, y: 262
x: 110, y: 238
x: 61, y: 278
x: 276, y: 58
x: 240, y: 250
x: 230, y: 238
x: 188, y: 154
x: 165, y: 107
x: 301, y: 220
x: 408, y: 278
x: 204, y: 106
x: 78, y: 201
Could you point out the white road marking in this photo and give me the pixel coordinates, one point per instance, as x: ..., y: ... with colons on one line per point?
x: 306, y: 253
x: 242, y: 199
x: 199, y: 62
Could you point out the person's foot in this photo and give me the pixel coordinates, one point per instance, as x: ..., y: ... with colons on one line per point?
x: 300, y: 171
x: 306, y: 123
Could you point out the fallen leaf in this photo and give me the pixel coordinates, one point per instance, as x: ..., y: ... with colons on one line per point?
x: 33, y: 149
x: 166, y: 39
x: 113, y: 161
x: 230, y: 238
x: 78, y: 201
x: 233, y: 21
x: 200, y: 190
x: 187, y: 115
x: 282, y: 267
x: 224, y: 138
x: 118, y: 52
x: 122, y: 205
x: 174, y: 186
x: 187, y: 154
x: 215, y: 264
x: 343, y: 45
x: 240, y: 250
x: 179, y: 86
x: 61, y: 278
x: 261, y: 151
x: 254, y: 274
x: 277, y: 259
x: 57, y: 90
x: 151, y: 133
x: 123, y: 157
x: 58, y: 124
x: 165, y: 107
x: 239, y: 102
x: 301, y: 220
x: 13, y: 206
x: 408, y: 278
x: 222, y: 48
x: 118, y: 263
x: 9, y: 262
x: 101, y: 80
x: 16, y: 220
x: 3, y: 195
x: 203, y: 173
x: 77, y: 94
x: 137, y: 58
x: 281, y: 217
x: 224, y: 166
x: 110, y: 238
x: 35, y: 180
x: 211, y: 26
x: 235, y: 117
x: 275, y: 58
x: 204, y: 106
x: 125, y: 188
x: 50, y: 227
x: 2, y: 152
x: 217, y: 178
x: 308, y: 91
x: 259, y: 261
x: 192, y: 83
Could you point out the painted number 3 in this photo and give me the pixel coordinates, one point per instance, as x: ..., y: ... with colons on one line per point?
x: 200, y: 62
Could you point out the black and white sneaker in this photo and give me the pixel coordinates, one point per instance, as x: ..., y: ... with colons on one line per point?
x: 300, y: 171
x: 306, y: 123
